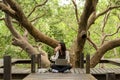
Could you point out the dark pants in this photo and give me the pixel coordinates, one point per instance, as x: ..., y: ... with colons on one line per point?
x: 61, y: 68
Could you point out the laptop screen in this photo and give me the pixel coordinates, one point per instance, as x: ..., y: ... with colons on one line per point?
x: 61, y: 62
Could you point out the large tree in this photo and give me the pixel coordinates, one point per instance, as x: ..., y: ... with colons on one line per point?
x: 85, y: 21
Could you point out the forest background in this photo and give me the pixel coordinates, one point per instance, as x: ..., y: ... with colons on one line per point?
x: 57, y: 19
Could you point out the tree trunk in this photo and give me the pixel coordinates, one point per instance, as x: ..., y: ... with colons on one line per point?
x: 102, y: 50
x: 90, y: 7
x: 23, y: 43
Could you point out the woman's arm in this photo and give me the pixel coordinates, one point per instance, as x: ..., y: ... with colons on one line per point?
x: 68, y: 56
x: 54, y: 57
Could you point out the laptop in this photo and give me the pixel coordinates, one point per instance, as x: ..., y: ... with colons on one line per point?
x: 61, y: 62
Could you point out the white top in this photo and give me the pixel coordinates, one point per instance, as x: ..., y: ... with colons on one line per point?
x: 54, y: 57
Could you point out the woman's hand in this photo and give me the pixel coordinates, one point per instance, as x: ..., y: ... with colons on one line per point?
x: 57, y: 48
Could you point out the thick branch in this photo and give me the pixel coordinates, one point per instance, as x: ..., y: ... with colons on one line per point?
x: 18, y: 40
x: 10, y: 26
x: 30, y: 28
x: 9, y: 23
x: 15, y: 7
x: 7, y: 9
x: 39, y: 5
x: 25, y: 35
x: 102, y: 50
x: 91, y: 19
x: 24, y: 44
x: 76, y: 11
x: 90, y: 7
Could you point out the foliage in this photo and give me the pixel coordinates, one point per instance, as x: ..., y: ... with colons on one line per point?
x: 59, y: 22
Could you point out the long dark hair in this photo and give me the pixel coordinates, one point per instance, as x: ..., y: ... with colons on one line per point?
x: 63, y: 47
x: 63, y: 50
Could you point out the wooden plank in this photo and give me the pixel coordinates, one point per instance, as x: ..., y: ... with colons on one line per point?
x: 109, y: 70
x: 7, y: 68
x: 97, y: 70
x: 33, y: 65
x: 12, y: 62
x: 110, y: 76
x: 103, y: 70
x: 94, y: 71
x: 87, y: 63
x: 81, y: 60
x: 76, y: 70
x: 18, y: 70
x: 100, y: 70
x: 115, y: 70
x: 59, y: 76
x: 72, y: 71
x: 82, y: 71
x: 39, y: 60
x: 118, y: 71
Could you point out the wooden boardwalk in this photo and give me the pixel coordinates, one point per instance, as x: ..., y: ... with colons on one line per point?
x: 96, y: 70
x: 59, y: 76
x: 75, y: 74
x: 93, y: 71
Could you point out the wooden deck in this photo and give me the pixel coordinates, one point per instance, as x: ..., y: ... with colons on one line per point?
x: 93, y: 71
x: 96, y: 70
x: 59, y: 76
x: 76, y: 74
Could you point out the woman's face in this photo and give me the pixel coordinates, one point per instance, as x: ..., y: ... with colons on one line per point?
x: 59, y: 45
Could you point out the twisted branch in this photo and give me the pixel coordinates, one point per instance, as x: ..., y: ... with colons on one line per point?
x: 76, y: 11
x: 110, y: 34
x: 93, y: 44
x: 39, y: 5
x: 102, y: 13
x: 108, y: 9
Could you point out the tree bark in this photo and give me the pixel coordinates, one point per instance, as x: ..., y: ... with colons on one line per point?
x: 16, y: 12
x: 102, y: 50
x: 22, y: 42
x: 90, y: 7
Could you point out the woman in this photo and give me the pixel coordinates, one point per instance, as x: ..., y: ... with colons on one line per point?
x: 61, y: 53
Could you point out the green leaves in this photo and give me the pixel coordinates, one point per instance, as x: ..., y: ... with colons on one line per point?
x: 59, y: 22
